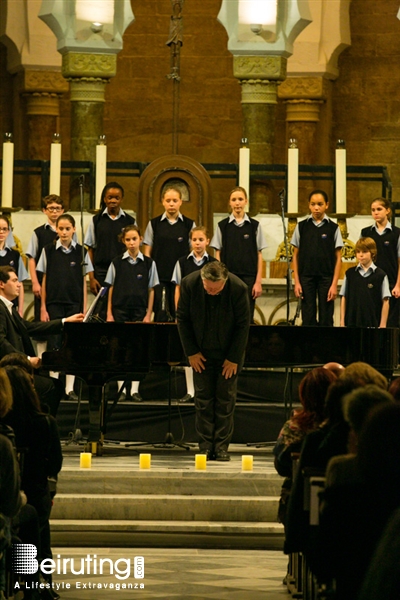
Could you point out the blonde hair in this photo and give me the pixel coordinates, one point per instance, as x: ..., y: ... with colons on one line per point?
x: 366, y: 244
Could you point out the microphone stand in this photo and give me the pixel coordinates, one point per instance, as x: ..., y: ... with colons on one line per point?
x: 282, y: 196
x: 76, y: 435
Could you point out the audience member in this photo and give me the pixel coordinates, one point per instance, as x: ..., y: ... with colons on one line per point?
x: 37, y: 439
x: 312, y: 392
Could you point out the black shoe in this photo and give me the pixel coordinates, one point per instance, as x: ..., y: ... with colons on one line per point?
x: 222, y: 456
x: 208, y: 454
x: 186, y: 398
x: 72, y: 396
x: 136, y: 397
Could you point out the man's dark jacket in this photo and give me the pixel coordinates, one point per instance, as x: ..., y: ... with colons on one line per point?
x: 233, y: 325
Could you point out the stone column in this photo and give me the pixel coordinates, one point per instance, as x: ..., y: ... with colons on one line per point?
x: 304, y: 98
x: 42, y: 91
x: 259, y: 77
x: 88, y: 75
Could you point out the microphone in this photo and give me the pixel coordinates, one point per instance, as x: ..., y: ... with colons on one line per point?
x: 282, y: 193
x: 81, y: 179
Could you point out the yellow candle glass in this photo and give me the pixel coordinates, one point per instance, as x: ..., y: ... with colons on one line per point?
x: 200, y: 462
x: 144, y: 461
x: 247, y: 462
x: 86, y: 460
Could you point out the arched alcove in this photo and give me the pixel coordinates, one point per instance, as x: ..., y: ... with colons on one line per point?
x: 186, y: 173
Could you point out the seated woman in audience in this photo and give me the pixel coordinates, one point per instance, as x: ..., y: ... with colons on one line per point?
x: 321, y: 445
x: 36, y: 434
x: 355, y: 511
x: 312, y: 391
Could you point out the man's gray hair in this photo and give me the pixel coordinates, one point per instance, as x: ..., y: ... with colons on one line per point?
x: 214, y: 271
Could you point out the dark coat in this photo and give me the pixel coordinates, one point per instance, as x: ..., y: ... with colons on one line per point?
x: 15, y: 338
x: 233, y: 327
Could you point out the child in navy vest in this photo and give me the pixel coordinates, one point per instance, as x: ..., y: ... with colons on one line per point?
x: 166, y: 239
x: 239, y: 241
x: 12, y: 258
x: 365, y: 291
x: 387, y: 239
x: 132, y: 278
x: 317, y: 259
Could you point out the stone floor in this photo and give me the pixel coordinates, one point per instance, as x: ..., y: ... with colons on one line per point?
x: 186, y: 574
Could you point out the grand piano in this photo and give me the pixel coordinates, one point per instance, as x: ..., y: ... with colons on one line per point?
x: 99, y: 352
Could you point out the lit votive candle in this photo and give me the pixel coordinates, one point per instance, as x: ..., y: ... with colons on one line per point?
x: 144, y: 461
x: 200, y: 462
x: 86, y: 460
x: 247, y: 462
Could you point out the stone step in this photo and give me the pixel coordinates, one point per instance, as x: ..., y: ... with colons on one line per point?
x: 178, y: 534
x: 134, y: 481
x: 165, y: 507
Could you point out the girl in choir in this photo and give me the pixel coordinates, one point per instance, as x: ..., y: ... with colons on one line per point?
x: 387, y: 239
x: 64, y: 290
x: 11, y: 257
x: 132, y: 277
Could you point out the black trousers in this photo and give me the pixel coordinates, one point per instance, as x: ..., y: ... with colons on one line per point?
x: 313, y: 288
x: 215, y: 400
x: 394, y: 311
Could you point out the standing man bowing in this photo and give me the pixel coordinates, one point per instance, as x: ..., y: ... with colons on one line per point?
x: 213, y: 322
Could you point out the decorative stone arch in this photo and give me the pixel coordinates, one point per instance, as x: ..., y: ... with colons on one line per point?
x: 186, y: 173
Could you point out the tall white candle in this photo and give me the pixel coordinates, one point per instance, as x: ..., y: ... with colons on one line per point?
x: 7, y: 175
x: 55, y: 168
x: 244, y: 171
x: 341, y: 181
x: 101, y: 170
x: 293, y: 180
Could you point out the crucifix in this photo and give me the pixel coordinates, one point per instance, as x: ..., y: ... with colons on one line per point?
x: 175, y: 42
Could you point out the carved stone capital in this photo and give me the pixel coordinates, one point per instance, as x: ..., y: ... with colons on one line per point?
x: 51, y: 82
x: 42, y: 103
x: 303, y: 110
x: 259, y: 67
x: 88, y: 89
x: 310, y: 88
x: 258, y: 91
x: 79, y: 64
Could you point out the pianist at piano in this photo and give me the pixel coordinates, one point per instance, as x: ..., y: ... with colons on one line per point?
x: 15, y: 332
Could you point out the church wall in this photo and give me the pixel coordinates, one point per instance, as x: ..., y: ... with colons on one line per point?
x: 364, y: 106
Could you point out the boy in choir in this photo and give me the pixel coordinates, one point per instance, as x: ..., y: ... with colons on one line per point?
x: 102, y: 234
x: 198, y: 257
x: 166, y: 239
x: 365, y: 291
x: 238, y: 241
x: 317, y: 245
x: 12, y: 258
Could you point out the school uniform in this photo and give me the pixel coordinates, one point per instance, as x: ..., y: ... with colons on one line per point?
x: 388, y: 254
x: 364, y: 292
x: 102, y: 236
x: 189, y: 264
x: 12, y: 258
x: 317, y: 243
x: 240, y: 244
x: 64, y: 279
x: 131, y: 280
x: 169, y: 241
